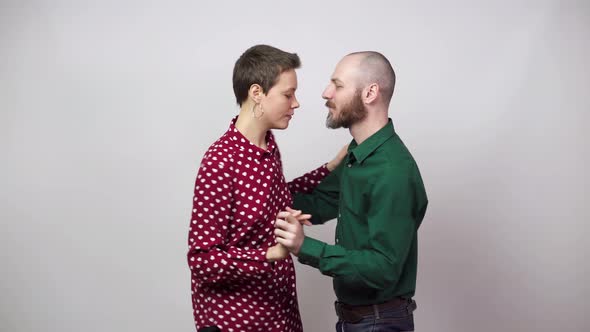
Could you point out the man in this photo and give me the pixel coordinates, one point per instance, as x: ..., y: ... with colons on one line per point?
x: 378, y: 196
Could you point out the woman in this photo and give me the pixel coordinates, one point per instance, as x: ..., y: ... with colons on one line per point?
x: 242, y: 280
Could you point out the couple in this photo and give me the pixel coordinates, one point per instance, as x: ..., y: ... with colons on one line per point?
x: 247, y: 220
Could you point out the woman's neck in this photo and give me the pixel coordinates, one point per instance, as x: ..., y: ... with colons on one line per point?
x: 252, y: 128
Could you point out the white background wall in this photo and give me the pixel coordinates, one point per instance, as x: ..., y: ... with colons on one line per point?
x: 106, y: 108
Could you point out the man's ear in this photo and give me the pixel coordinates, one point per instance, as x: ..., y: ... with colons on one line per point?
x: 255, y: 93
x: 370, y: 93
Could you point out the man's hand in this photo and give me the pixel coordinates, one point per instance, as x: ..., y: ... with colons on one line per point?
x: 289, y: 232
x: 303, y: 218
x: 277, y: 253
x: 332, y: 164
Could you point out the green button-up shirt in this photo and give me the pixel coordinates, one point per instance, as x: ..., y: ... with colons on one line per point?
x: 378, y: 196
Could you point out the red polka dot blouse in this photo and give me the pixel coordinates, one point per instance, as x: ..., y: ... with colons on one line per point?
x: 239, y: 190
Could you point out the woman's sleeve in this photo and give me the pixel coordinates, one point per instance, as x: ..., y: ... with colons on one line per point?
x: 209, y: 257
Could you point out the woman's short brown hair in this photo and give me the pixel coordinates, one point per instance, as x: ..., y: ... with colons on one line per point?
x: 261, y: 64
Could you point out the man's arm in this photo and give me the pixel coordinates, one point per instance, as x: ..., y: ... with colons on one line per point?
x: 319, y: 198
x: 322, y: 202
x: 392, y: 225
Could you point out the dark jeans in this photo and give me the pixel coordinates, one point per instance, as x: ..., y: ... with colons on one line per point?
x: 398, y: 319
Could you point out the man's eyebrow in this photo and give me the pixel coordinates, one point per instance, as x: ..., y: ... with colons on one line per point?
x: 336, y: 80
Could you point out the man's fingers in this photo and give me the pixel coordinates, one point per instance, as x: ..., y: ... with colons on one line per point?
x: 283, y: 214
x: 282, y: 234
x: 298, y: 214
x: 280, y: 223
x: 294, y: 213
x: 284, y: 225
x: 294, y: 218
x: 291, y: 219
x: 282, y: 241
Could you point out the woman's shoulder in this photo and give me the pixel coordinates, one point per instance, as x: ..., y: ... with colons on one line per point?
x: 220, y: 151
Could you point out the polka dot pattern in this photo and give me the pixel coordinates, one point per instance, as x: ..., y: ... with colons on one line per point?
x: 239, y: 190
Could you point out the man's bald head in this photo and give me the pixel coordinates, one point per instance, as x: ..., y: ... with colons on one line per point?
x: 373, y: 67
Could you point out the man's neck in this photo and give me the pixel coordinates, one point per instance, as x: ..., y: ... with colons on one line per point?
x: 370, y: 125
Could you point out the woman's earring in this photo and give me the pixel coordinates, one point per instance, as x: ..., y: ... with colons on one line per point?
x: 254, y: 111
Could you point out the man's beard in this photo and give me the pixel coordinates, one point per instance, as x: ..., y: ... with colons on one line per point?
x: 352, y: 112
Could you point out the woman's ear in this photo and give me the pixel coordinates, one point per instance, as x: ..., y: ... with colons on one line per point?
x: 255, y: 93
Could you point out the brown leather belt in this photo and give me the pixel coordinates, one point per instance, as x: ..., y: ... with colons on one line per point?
x: 355, y: 313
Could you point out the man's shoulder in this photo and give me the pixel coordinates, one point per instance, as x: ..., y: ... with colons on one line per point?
x: 394, y: 155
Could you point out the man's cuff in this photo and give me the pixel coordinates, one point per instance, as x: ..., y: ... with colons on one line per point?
x: 310, y: 252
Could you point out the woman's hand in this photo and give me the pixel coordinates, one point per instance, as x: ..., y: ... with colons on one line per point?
x: 332, y: 164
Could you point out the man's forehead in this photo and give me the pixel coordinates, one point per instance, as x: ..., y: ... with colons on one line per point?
x: 346, y: 68
x: 351, y: 60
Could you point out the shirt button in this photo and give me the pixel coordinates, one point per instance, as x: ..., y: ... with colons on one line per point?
x: 349, y: 165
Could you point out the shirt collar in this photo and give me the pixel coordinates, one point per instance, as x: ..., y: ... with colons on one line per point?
x: 362, y: 151
x: 243, y: 144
